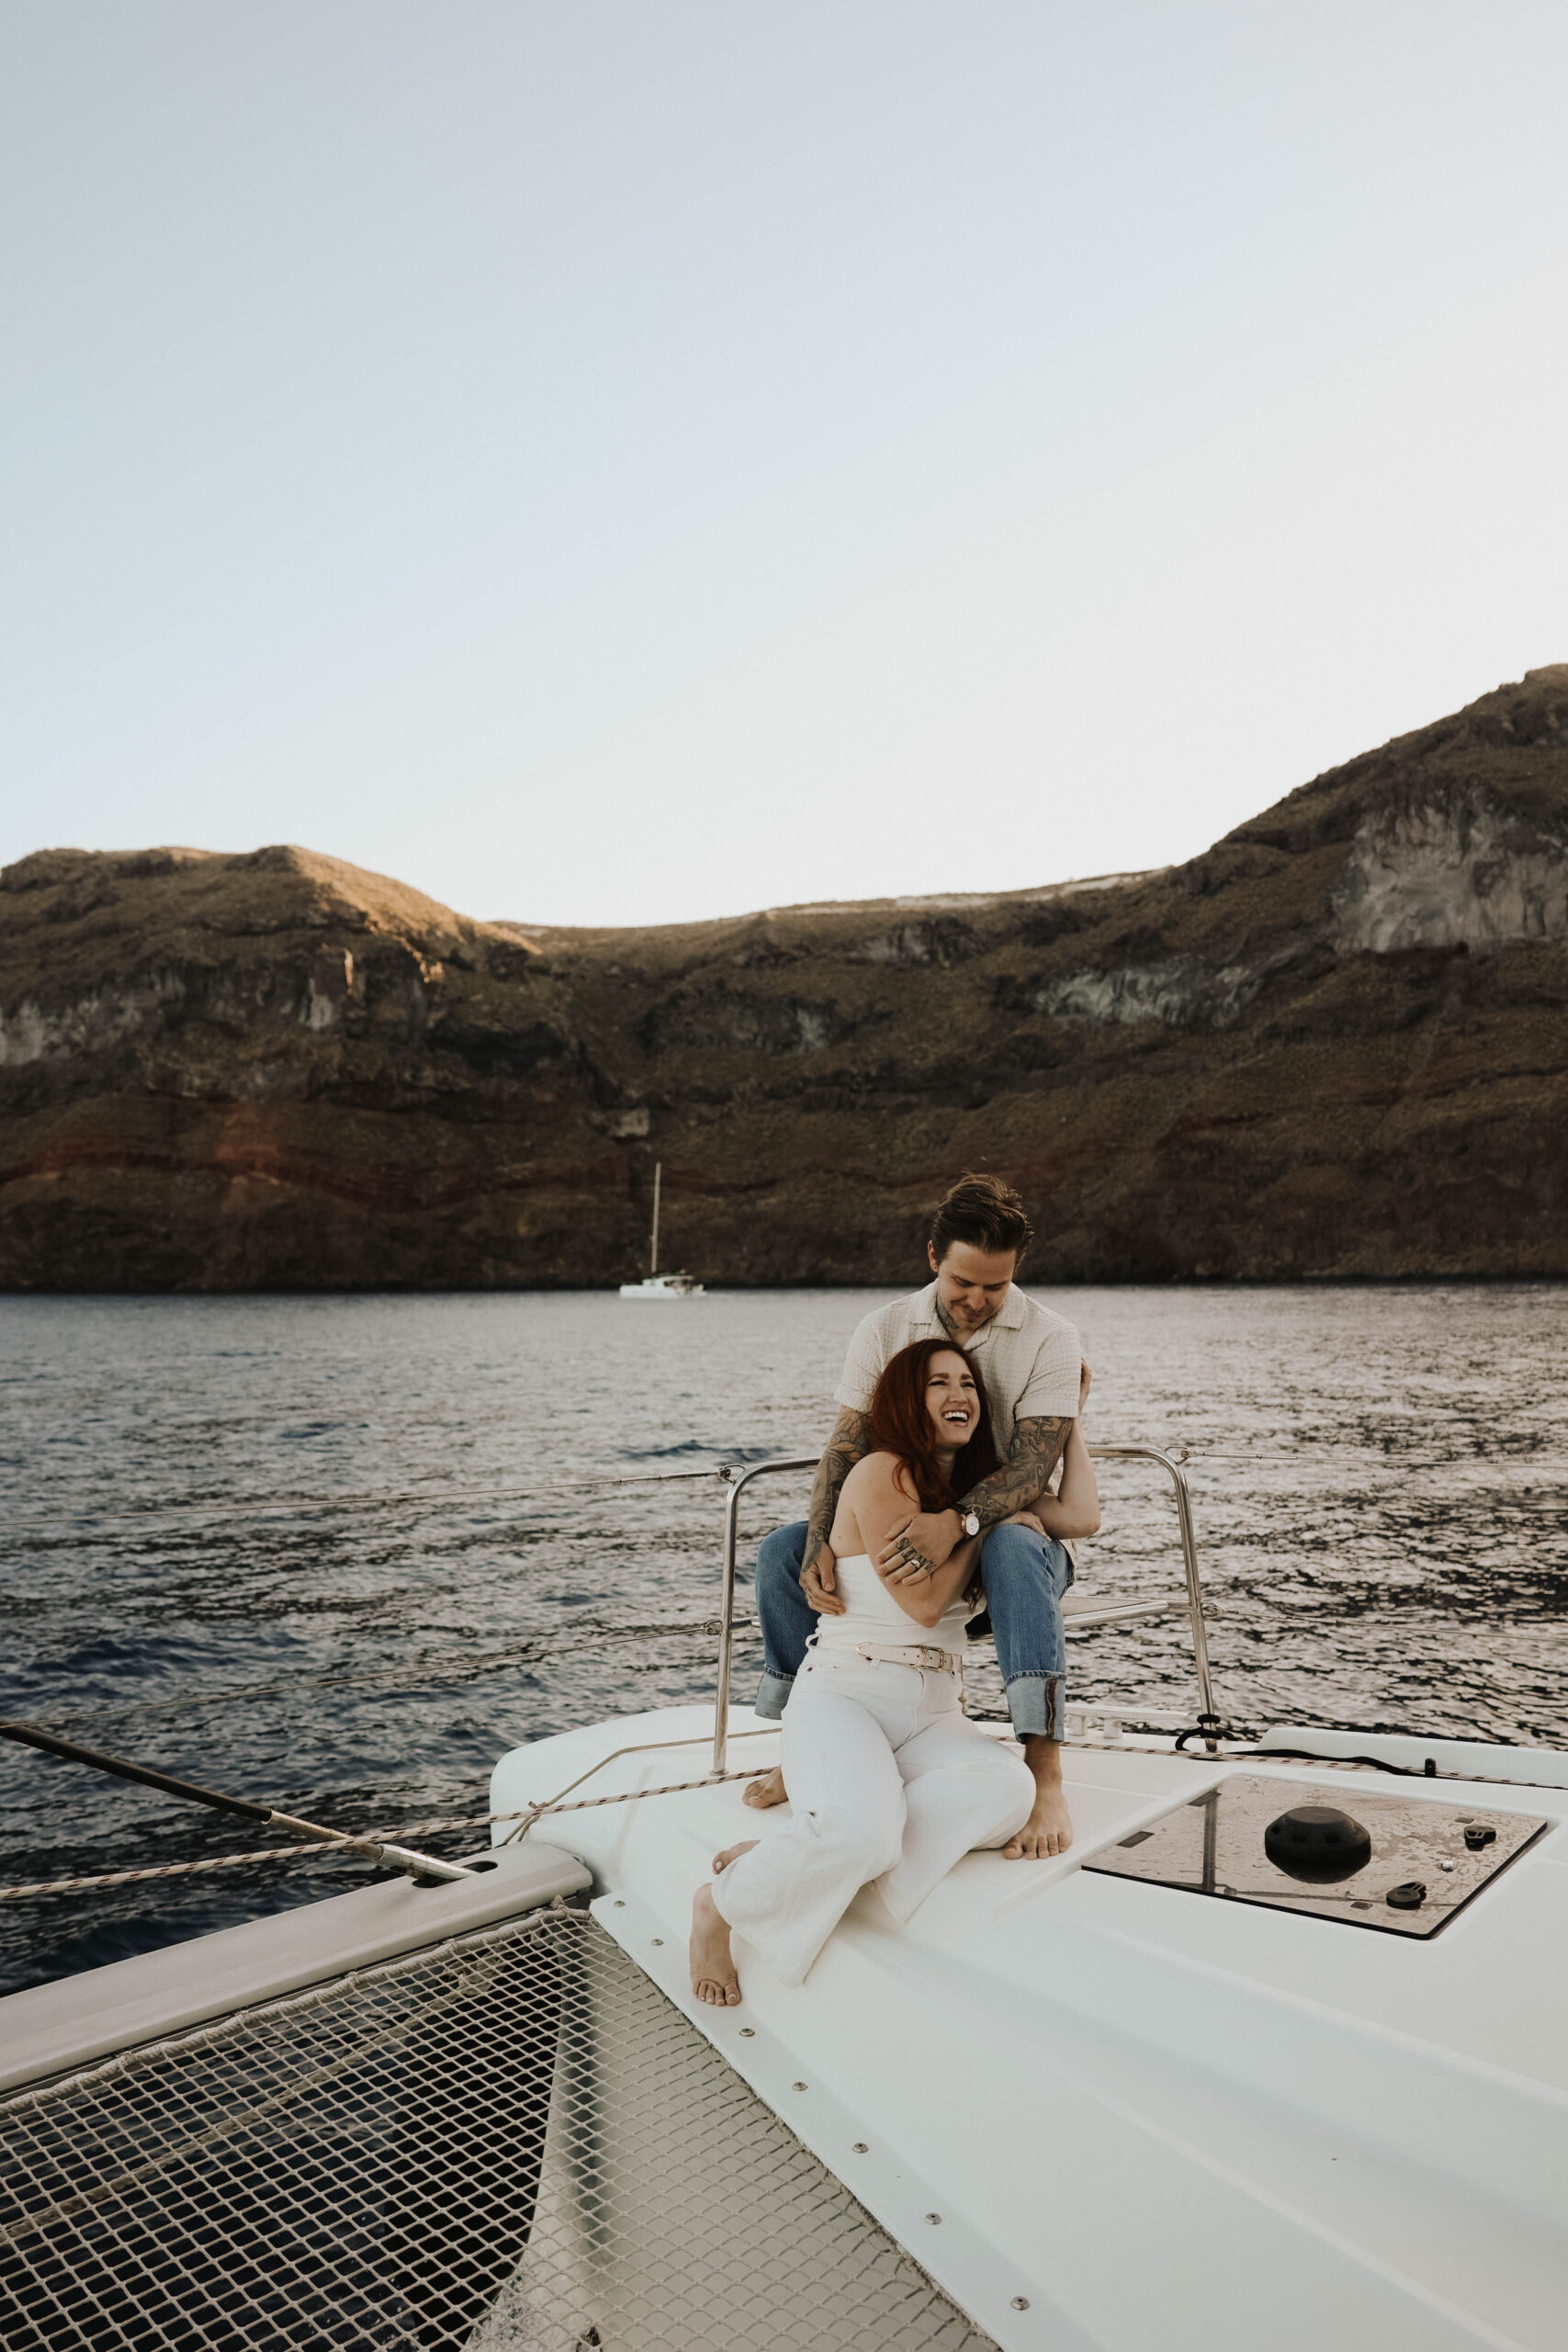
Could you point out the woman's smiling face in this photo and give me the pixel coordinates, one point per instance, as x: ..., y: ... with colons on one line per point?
x: 951, y: 1398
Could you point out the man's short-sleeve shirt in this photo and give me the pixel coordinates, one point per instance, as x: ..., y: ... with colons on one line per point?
x: 1028, y: 1355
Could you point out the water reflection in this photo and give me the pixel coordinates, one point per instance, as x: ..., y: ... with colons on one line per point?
x: 338, y: 1553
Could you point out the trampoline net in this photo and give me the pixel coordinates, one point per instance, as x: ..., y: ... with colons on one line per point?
x: 512, y: 2140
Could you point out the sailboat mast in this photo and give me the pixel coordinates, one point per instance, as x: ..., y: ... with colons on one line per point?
x: 657, y: 1173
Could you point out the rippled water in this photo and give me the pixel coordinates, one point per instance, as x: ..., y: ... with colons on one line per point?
x: 336, y: 1553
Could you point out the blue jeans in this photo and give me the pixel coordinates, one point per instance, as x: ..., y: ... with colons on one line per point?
x: 1025, y: 1577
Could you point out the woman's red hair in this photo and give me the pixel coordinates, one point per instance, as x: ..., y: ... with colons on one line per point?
x: 901, y: 1425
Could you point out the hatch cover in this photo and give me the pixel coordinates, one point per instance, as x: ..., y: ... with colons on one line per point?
x: 1427, y: 1860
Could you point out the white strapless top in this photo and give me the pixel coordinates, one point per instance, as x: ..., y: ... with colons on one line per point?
x: 872, y: 1615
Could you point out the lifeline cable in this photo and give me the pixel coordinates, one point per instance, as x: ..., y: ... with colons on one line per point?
x: 526, y: 1814
x: 378, y: 1498
x: 119, y: 1769
x: 530, y: 1649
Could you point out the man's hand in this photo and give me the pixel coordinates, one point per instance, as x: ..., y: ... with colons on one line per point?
x: 918, y: 1547
x: 820, y: 1585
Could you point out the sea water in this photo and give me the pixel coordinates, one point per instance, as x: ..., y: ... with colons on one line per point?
x: 336, y: 1553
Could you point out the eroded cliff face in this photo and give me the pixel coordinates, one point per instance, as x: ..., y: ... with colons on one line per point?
x: 1450, y: 868
x: 1333, y: 1045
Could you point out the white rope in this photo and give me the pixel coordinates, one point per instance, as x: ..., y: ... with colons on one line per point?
x: 526, y: 1814
x: 163, y: 1869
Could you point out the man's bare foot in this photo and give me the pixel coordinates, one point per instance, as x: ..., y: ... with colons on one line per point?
x: 1049, y: 1829
x: 766, y: 1791
x: 713, y: 1968
x: 732, y: 1853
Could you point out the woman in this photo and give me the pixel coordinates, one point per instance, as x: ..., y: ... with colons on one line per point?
x: 888, y: 1779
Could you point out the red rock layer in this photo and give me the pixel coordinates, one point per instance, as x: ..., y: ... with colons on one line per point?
x: 1332, y: 1046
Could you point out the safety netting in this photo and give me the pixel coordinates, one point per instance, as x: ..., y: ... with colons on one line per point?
x: 511, y: 2141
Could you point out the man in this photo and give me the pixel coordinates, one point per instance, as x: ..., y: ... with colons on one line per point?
x: 1030, y: 1360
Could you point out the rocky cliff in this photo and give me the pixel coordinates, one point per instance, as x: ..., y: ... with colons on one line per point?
x: 1333, y: 1045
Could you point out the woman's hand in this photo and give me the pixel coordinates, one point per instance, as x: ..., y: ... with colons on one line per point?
x: 916, y: 1547
x: 1084, y: 1378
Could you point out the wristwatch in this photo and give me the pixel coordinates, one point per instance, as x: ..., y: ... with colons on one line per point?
x: 969, y: 1520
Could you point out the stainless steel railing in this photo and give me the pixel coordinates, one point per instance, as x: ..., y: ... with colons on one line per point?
x: 738, y: 1482
x: 1208, y: 1720
x: 1112, y: 1613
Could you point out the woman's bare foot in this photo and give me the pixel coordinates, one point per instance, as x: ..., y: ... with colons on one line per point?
x: 1049, y: 1829
x: 722, y: 1861
x: 713, y: 1969
x: 768, y: 1789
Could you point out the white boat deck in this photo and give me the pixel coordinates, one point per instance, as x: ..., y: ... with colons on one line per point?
x: 1149, y: 2122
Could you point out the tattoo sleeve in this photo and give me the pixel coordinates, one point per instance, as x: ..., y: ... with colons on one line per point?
x: 850, y: 1443
x: 1023, y: 1476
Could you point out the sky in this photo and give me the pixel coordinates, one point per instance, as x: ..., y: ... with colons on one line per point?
x: 634, y: 460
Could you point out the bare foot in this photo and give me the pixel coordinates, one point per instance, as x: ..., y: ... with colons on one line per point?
x: 1049, y: 1829
x: 713, y: 1969
x: 769, y: 1790
x: 722, y: 1861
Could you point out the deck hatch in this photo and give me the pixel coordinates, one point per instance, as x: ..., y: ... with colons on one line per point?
x: 1427, y: 1860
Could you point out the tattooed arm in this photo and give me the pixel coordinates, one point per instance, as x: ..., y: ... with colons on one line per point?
x: 850, y: 1443
x: 1025, y: 1476
x: 924, y: 1541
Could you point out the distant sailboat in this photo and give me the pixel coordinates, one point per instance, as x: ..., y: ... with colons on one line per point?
x: 659, y: 1286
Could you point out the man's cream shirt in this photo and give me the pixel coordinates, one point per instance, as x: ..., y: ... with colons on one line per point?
x: 1028, y: 1355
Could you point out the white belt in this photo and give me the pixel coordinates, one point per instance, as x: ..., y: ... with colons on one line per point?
x: 927, y: 1655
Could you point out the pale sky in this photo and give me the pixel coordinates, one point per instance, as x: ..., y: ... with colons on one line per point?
x: 623, y: 461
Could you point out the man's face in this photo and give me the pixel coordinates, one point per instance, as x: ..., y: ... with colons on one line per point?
x: 970, y: 1283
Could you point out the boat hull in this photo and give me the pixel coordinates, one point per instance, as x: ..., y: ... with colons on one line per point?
x: 1144, y: 2118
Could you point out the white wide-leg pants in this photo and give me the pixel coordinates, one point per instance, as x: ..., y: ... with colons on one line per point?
x: 887, y: 1780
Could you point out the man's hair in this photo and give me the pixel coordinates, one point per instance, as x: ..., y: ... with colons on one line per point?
x: 984, y: 1212
x: 900, y: 1425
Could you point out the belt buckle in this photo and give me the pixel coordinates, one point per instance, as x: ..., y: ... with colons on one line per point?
x: 928, y: 1657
